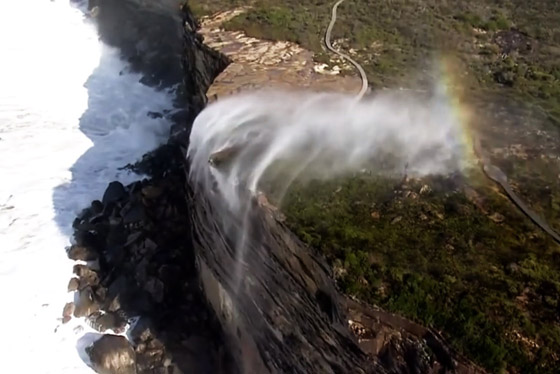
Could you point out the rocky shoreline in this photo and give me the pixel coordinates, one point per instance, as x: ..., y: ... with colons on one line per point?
x: 144, y: 257
x: 146, y: 270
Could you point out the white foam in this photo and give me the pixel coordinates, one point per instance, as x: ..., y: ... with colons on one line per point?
x: 68, y: 122
x: 323, y: 136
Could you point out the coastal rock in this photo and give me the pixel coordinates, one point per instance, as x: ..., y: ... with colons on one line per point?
x: 104, y: 322
x: 114, y: 192
x: 155, y: 288
x: 67, y: 312
x: 142, y: 331
x: 80, y: 253
x: 87, y: 276
x: 112, y: 354
x: 86, y: 303
x: 73, y: 284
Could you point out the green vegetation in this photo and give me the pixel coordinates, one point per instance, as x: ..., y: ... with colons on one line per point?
x: 490, y: 282
x: 461, y: 257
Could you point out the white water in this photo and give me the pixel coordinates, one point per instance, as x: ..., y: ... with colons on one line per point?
x: 322, y: 136
x: 68, y: 121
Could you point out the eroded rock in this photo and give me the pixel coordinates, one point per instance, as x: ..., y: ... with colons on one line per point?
x: 114, y: 192
x: 86, y: 303
x: 80, y: 253
x: 112, y: 354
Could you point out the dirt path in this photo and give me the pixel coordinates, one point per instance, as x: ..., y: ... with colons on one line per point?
x: 343, y: 55
x: 498, y: 176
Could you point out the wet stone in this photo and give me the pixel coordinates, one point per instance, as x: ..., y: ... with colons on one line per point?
x: 73, y: 285
x: 114, y: 192
x: 67, y: 312
x: 86, y: 303
x: 107, y: 321
x: 87, y: 276
x: 88, y: 238
x: 133, y: 212
x: 142, y: 331
x: 112, y: 354
x: 96, y: 207
x: 80, y: 253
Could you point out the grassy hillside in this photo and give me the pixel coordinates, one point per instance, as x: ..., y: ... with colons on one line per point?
x: 455, y: 255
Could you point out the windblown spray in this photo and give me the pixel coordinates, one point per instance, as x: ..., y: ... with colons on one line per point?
x: 238, y: 142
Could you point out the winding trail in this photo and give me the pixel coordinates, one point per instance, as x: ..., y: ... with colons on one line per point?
x: 497, y: 175
x: 343, y: 55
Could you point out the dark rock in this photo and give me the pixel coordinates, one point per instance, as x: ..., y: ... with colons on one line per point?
x: 155, y: 115
x: 86, y: 303
x: 73, y: 285
x: 155, y: 288
x: 89, y: 238
x: 142, y: 331
x: 104, y: 322
x: 79, y: 253
x: 116, y: 236
x: 100, y: 294
x: 132, y: 213
x: 114, y: 192
x: 152, y: 192
x: 132, y: 238
x: 112, y: 354
x: 150, y: 245
x: 96, y: 207
x: 115, y: 255
x: 125, y: 294
x: 98, y: 218
x: 169, y: 273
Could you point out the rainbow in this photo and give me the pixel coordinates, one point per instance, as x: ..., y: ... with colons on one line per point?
x: 450, y: 84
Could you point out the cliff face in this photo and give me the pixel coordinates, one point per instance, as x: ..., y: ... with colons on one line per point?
x: 159, y: 40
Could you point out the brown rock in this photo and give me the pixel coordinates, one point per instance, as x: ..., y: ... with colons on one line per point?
x: 87, y: 276
x: 86, y: 303
x: 73, y: 285
x: 396, y: 220
x: 67, y: 312
x: 80, y: 253
x: 112, y: 354
x: 497, y: 217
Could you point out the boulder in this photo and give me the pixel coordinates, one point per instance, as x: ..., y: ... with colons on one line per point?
x: 112, y: 354
x: 73, y: 285
x: 86, y: 303
x: 80, y: 253
x: 114, y: 192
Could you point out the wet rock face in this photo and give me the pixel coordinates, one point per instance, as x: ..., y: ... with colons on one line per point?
x: 112, y: 354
